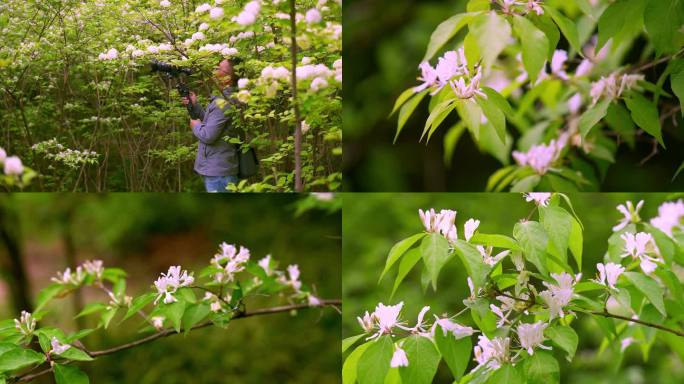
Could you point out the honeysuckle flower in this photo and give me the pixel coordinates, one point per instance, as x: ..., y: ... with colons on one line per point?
x: 57, y: 347
x: 249, y: 14
x: 165, y: 3
x: 487, y: 255
x: 366, y: 322
x: 198, y: 36
x: 25, y: 324
x: 158, y: 322
x: 575, y: 103
x: 94, y: 267
x: 313, y: 16
x: 630, y: 213
x: 3, y: 155
x: 203, y: 8
x: 641, y: 246
x: 168, y: 283
x: 469, y: 228
x: 459, y: 331
x: 558, y: 62
x: 533, y: 6
x: 492, y: 353
x: 626, y: 342
x: 463, y: 91
x: 67, y: 277
x: 540, y: 157
x: 313, y: 300
x: 670, y: 215
x: 265, y: 264
x: 532, y: 336
x: 203, y: 27
x: 612, y: 86
x: 419, y: 322
x: 386, y: 318
x: 609, y: 273
x: 557, y: 296
x: 234, y: 261
x: 503, y: 317
x: 399, y: 358
x: 242, y: 83
x: 293, y: 271
x: 539, y: 198
x: 12, y: 166
x: 216, y: 13
x: 450, y: 65
x: 442, y: 222
x: 428, y: 77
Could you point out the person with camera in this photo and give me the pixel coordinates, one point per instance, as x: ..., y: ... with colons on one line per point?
x: 217, y: 160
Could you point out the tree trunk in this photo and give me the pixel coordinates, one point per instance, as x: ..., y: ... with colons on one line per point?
x: 10, y: 238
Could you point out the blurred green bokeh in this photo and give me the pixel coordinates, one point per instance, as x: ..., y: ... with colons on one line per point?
x: 384, y: 41
x: 373, y: 223
x: 145, y: 234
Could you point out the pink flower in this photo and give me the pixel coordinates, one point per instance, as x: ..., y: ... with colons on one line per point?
x: 399, y: 358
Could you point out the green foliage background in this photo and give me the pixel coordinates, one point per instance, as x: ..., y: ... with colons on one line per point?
x: 146, y: 233
x: 373, y: 223
x: 384, y: 43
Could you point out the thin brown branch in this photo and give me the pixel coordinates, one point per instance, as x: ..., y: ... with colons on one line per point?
x: 168, y: 332
x: 638, y: 321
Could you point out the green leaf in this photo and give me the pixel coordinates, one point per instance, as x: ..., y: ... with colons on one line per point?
x: 139, y: 303
x: 618, y: 118
x: 174, y: 313
x: 423, y: 360
x: 654, y: 293
x: 46, y: 294
x: 349, y: 369
x: 445, y: 31
x: 496, y: 241
x: 472, y: 260
x: 349, y: 341
x: 407, y: 109
x: 645, y: 115
x: 612, y: 23
x: 455, y: 352
x: 677, y: 81
x: 402, y: 99
x: 592, y: 116
x: 526, y: 184
x: 535, y: 46
x: 407, y: 263
x: 68, y: 374
x: 576, y: 242
x: 471, y: 114
x: 494, y: 116
x: 507, y: 374
x: 557, y: 223
x: 375, y: 361
x: 91, y: 308
x: 194, y: 313
x: 491, y: 32
x: 566, y: 26
x: 663, y: 20
x: 565, y: 337
x: 18, y: 358
x: 107, y: 317
x: 533, y: 240
x: 541, y: 368
x: 546, y: 25
x: 75, y: 354
x: 435, y: 252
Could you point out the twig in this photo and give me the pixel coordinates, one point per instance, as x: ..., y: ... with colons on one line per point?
x: 646, y: 323
x: 168, y: 332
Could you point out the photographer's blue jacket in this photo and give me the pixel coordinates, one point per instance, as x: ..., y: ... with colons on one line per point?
x: 215, y: 156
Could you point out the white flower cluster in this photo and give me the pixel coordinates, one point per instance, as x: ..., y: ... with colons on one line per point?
x: 111, y: 54
x: 630, y: 214
x: 293, y: 277
x: 11, y: 165
x: 451, y: 69
x: 241, y: 36
x: 558, y: 295
x: 313, y: 16
x: 612, y: 86
x: 249, y: 13
x: 670, y: 215
x: 25, y: 324
x: 57, y: 347
x: 230, y: 260
x: 444, y: 224
x: 540, y: 157
x: 642, y: 246
x: 224, y: 49
x: 492, y: 354
x: 609, y: 273
x: 72, y: 158
x: 168, y: 283
x: 539, y: 198
x: 94, y: 268
x: 511, y: 7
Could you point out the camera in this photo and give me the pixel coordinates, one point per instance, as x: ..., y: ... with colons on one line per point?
x: 173, y: 71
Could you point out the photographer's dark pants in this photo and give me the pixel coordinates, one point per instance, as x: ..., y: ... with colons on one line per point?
x: 219, y: 183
